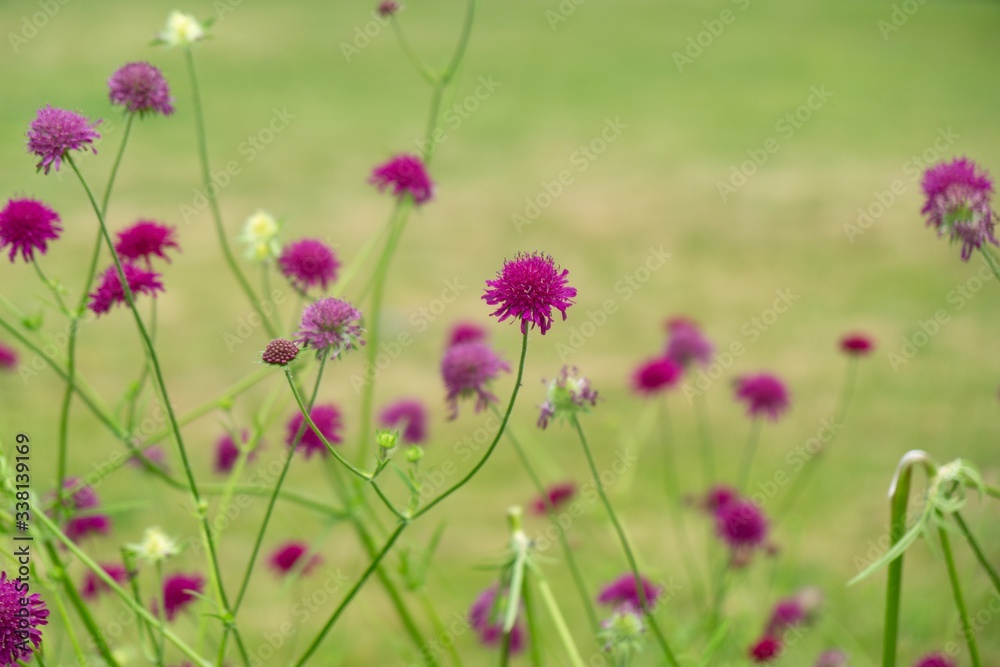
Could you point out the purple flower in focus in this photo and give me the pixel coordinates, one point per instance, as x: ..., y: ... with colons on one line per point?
x: 687, y: 345
x: 21, y: 615
x: 55, y: 132
x: 307, y: 263
x: 27, y: 225
x: 466, y: 369
x: 330, y: 326
x: 279, y: 352
x: 623, y: 593
x: 958, y: 203
x: 764, y: 395
x: 327, y: 420
x: 94, y: 585
x: 412, y: 415
x: 287, y: 556
x: 656, y: 375
x: 407, y: 175
x: 145, y: 239
x: 140, y: 88
x: 178, y: 590
x: 110, y: 292
x: 529, y: 288
x: 486, y: 618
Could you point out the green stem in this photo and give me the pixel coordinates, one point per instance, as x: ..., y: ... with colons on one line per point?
x: 553, y: 607
x: 439, y: 627
x: 991, y: 260
x: 894, y: 586
x: 705, y: 438
x: 990, y: 572
x: 749, y: 449
x: 534, y: 639
x: 956, y: 589
x: 129, y: 117
x: 410, y: 54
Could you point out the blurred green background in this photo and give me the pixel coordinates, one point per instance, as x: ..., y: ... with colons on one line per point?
x: 896, y: 95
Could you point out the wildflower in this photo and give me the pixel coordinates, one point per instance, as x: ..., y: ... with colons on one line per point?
x: 623, y: 594
x: 307, y: 263
x: 145, y: 239
x: 288, y: 555
x: 226, y: 452
x: 26, y: 225
x: 387, y: 8
x: 528, y: 288
x: 412, y: 415
x: 857, y: 345
x: 94, y: 585
x: 110, y: 292
x: 656, y: 375
x: 140, y: 88
x: 179, y: 591
x: 260, y: 233
x: 330, y: 326
x: 718, y: 497
x: 555, y: 495
x: 8, y: 358
x: 622, y: 635
x: 934, y: 660
x: 741, y: 525
x: 466, y: 369
x: 831, y: 658
x: 89, y: 522
x: 182, y: 30
x: 958, y: 203
x: 465, y: 332
x: 568, y: 394
x: 486, y: 618
x: 765, y: 650
x: 24, y: 612
x: 763, y: 394
x: 279, y: 352
x: 327, y: 420
x: 156, y: 546
x: 687, y: 345
x: 55, y: 132
x: 407, y: 175
x: 154, y: 454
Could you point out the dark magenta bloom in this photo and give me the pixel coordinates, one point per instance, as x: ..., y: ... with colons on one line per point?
x: 764, y: 395
x: 55, y: 132
x: 857, y: 345
x: 556, y: 495
x: 656, y: 375
x: 144, y: 240
x: 529, y: 288
x: 178, y: 592
x: 765, y: 650
x: 466, y: 369
x: 934, y: 660
x: 406, y: 174
x: 410, y: 416
x: 327, y: 420
x: 93, y: 585
x: 8, y: 358
x: 465, y: 332
x: 958, y: 203
x: 279, y: 352
x: 27, y: 225
x: 18, y: 610
x: 154, y: 454
x: 687, y: 345
x: 622, y: 593
x: 786, y: 613
x: 330, y: 326
x: 140, y: 88
x: 226, y: 452
x: 741, y: 525
x: 387, y: 8
x: 110, y: 292
x: 307, y: 263
x: 89, y: 521
x: 486, y: 618
x: 718, y: 497
x: 288, y: 555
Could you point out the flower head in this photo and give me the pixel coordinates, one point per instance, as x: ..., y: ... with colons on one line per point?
x: 110, y: 292
x: 84, y: 519
x: 622, y: 634
x: 94, y: 585
x: 568, y: 394
x: 555, y: 495
x: 764, y: 395
x: 8, y: 358
x: 153, y: 455
x: 857, y: 345
x: 182, y: 30
x: 387, y: 8
x: 26, y: 225
x: 260, y: 233
x: 528, y: 288
x: 25, y: 612
x: 407, y: 175
x: 934, y: 660
x: 741, y: 525
x: 465, y: 332
x: 412, y: 415
x: 656, y: 375
x: 156, y: 546
x: 687, y: 344
x: 833, y: 657
x: 307, y: 263
x: 466, y: 369
x: 140, y: 88
x: 486, y: 618
x: 145, y: 239
x: 288, y: 555
x: 718, y: 497
x: 227, y: 452
x: 55, y: 132
x: 179, y: 591
x: 330, y: 326
x: 765, y: 650
x: 279, y: 352
x: 622, y: 593
x: 958, y: 203
x: 327, y: 420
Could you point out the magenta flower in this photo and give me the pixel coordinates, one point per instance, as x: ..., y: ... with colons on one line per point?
x: 528, y: 288
x: 557, y: 494
x: 227, y: 452
x: 466, y: 369
x: 178, y: 592
x: 8, y: 358
x: 21, y: 616
x: 55, y: 132
x: 465, y: 332
x: 958, y: 203
x: 387, y: 8
x: 656, y: 375
x: 327, y: 420
x: 833, y: 657
x: 568, y: 394
x: 786, y: 613
x: 307, y: 263
x: 330, y: 326
x: 623, y: 594
x: 765, y: 650
x: 26, y: 225
x: 93, y: 585
x: 411, y: 415
x: 764, y: 394
x: 279, y: 352
x: 110, y: 292
x: 741, y: 524
x: 154, y: 454
x: 145, y: 239
x: 91, y: 522
x: 718, y: 497
x: 934, y: 660
x: 486, y: 618
x: 287, y: 556
x: 407, y: 175
x: 140, y: 88
x: 857, y: 345
x: 687, y: 345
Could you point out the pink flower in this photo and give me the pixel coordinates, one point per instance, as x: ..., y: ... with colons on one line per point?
x: 556, y: 495
x: 110, y: 291
x: 466, y: 369
x: 486, y: 618
x: 831, y: 658
x: 958, y: 203
x: 140, y: 88
x: 687, y: 345
x: 307, y: 263
x: 178, y: 592
x: 28, y: 613
x: 84, y: 501
x: 330, y: 326
x: 144, y: 239
x: 8, y: 358
x: 93, y: 585
x: 656, y: 375
x: 288, y: 555
x: 407, y: 175
x: 327, y: 420
x: 741, y: 525
x: 465, y: 332
x: 934, y: 660
x: 568, y: 394
x: 55, y: 132
x: 718, y: 497
x: 764, y: 395
x: 765, y: 650
x: 857, y: 345
x: 27, y: 225
x: 226, y: 452
x: 279, y: 352
x: 387, y: 8
x: 622, y: 593
x: 412, y: 415
x: 529, y: 288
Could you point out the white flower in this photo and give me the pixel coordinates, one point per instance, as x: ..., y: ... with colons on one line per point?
x: 155, y: 546
x: 182, y: 29
x: 260, y: 233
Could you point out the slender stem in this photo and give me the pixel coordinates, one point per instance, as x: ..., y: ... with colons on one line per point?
x: 553, y: 607
x: 956, y: 589
x: 991, y: 260
x: 623, y: 540
x: 753, y: 437
x: 439, y: 626
x: 51, y: 285
x: 410, y: 54
x: 705, y: 438
x: 534, y: 640
x: 894, y: 585
x: 990, y: 572
x: 64, y: 614
x: 129, y: 117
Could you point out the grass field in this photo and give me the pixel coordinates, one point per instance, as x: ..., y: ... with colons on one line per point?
x: 750, y: 163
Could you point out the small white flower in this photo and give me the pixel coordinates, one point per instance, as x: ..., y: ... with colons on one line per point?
x: 260, y: 233
x: 155, y: 546
x: 182, y: 29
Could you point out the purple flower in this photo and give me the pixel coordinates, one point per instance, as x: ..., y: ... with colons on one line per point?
x: 857, y: 345
x: 387, y: 8
x: 555, y: 495
x: 226, y: 452
x: 656, y: 375
x: 718, y: 497
x: 55, y: 132
x: 145, y: 239
x: 568, y: 394
x: 622, y: 593
x: 110, y: 292
x: 26, y: 225
x: 413, y: 417
x: 287, y: 556
x: 766, y: 649
x: 19, y: 610
x: 307, y: 263
x: 91, y: 522
x: 178, y: 590
x: 465, y: 332
x: 94, y: 585
x: 741, y: 525
x: 486, y: 618
x: 279, y: 352
x: 934, y: 660
x: 466, y: 369
x: 687, y: 345
x: 327, y: 420
x: 764, y: 394
x: 833, y: 657
x: 406, y: 174
x: 330, y: 326
x: 786, y: 613
x: 154, y: 454
x: 958, y: 203
x: 8, y: 358
x: 528, y: 288
x: 140, y: 88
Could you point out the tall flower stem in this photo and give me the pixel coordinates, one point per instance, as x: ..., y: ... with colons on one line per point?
x: 991, y: 260
x: 749, y: 449
x: 705, y: 438
x: 977, y: 550
x: 898, y: 500
x: 439, y: 627
x: 553, y: 608
x: 623, y: 540
x: 534, y: 641
x: 129, y: 117
x: 956, y: 589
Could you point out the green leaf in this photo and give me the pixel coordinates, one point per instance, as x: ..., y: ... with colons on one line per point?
x: 895, y: 552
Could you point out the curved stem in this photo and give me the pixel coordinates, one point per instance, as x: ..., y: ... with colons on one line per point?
x: 956, y: 589
x: 974, y: 544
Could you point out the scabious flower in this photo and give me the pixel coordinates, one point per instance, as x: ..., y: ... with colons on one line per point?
x: 412, y: 415
x: 260, y: 233
x: 179, y: 592
x: 765, y: 650
x: 764, y: 395
x: 387, y: 8
x: 797, y: 609
x: 556, y: 495
x: 656, y: 375
x: 486, y: 618
x: 623, y: 594
x: 8, y: 358
x: 156, y: 546
x: 55, y: 132
x: 307, y: 263
x: 279, y: 352
x: 465, y: 332
x: 144, y: 240
x: 330, y: 326
x: 91, y: 522
x: 466, y: 369
x: 327, y: 420
x: 182, y: 30
x: 287, y: 556
x: 407, y: 175
x: 958, y: 203
x: 687, y: 345
x: 93, y: 585
x: 140, y: 88
x: 833, y: 657
x: 568, y: 394
x: 718, y: 497
x: 857, y: 345
x: 226, y: 452
x: 27, y: 225
x: 528, y: 288
x: 934, y: 660
x: 741, y: 524
x: 20, y: 619
x: 110, y: 292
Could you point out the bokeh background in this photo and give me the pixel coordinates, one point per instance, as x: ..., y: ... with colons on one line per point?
x: 696, y: 92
